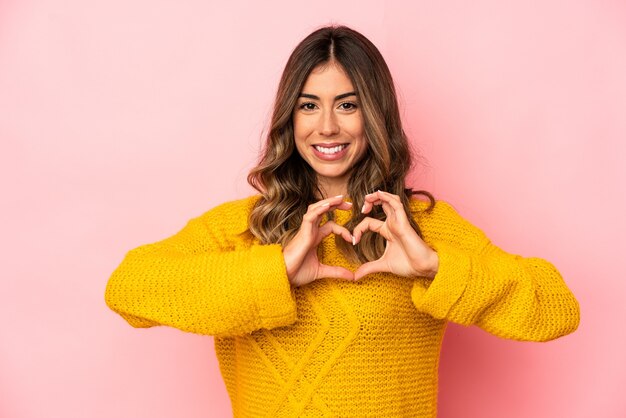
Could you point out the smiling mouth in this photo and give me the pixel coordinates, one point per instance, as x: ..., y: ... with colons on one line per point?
x: 330, y: 150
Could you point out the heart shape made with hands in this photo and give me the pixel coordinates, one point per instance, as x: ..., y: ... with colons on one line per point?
x: 406, y: 254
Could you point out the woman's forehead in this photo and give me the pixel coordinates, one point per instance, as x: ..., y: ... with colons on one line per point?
x: 328, y: 79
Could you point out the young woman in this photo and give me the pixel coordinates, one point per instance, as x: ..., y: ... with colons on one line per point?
x: 329, y: 292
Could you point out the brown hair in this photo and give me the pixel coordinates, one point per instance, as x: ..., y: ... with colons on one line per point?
x: 288, y: 184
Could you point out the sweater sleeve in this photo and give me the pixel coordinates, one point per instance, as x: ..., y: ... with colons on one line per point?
x: 478, y: 283
x: 206, y: 279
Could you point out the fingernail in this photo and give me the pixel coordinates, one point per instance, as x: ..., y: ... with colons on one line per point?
x: 349, y: 203
x: 353, y: 240
x: 363, y: 208
x: 325, y: 204
x: 339, y: 195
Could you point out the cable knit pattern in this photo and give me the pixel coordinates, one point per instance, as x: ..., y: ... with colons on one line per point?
x: 334, y: 348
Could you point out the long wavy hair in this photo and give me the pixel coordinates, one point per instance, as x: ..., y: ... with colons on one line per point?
x: 287, y: 183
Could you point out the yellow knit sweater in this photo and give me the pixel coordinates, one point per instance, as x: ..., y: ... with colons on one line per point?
x: 334, y: 348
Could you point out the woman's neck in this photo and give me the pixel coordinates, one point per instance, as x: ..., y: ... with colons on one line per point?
x: 333, y: 188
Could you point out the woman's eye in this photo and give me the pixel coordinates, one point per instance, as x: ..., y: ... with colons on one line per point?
x: 307, y: 106
x: 348, y: 106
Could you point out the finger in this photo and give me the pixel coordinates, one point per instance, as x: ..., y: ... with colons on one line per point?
x: 338, y: 202
x: 367, y: 224
x: 330, y: 201
x: 377, y: 198
x: 367, y: 207
x: 312, y: 218
x: 395, y: 216
x: 334, y: 272
x: 376, y: 266
x: 333, y: 201
x: 331, y: 227
x: 388, y: 209
x: 344, y: 205
x: 389, y: 195
x: 315, y: 211
x: 318, y: 208
x: 368, y: 202
x: 371, y: 197
x: 392, y: 199
x: 391, y: 205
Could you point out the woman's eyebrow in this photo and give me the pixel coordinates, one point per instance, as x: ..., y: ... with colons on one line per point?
x: 339, y: 97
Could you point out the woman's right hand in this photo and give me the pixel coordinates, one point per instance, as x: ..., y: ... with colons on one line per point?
x: 300, y: 253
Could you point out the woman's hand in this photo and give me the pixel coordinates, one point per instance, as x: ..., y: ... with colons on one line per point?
x: 300, y: 253
x: 406, y: 254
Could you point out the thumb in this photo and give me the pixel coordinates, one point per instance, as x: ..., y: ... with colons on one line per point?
x: 332, y: 228
x: 376, y: 266
x: 334, y: 272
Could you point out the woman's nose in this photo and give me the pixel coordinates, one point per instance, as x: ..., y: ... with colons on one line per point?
x: 328, y: 124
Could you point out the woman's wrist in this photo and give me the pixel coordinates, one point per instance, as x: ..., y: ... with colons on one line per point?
x: 431, y: 267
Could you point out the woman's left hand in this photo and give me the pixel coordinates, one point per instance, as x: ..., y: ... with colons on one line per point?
x: 406, y: 254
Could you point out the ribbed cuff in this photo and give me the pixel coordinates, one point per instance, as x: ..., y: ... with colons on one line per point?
x: 275, y: 299
x: 448, y: 285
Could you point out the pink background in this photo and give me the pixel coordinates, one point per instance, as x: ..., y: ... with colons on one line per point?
x: 120, y: 120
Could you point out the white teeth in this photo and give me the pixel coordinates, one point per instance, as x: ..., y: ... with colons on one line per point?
x: 331, y: 150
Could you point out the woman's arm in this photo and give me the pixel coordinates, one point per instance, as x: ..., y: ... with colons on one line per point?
x: 478, y: 283
x: 208, y: 278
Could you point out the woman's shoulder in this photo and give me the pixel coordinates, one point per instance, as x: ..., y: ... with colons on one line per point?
x: 237, y: 206
x: 422, y: 207
x: 441, y: 221
x: 437, y: 214
x: 232, y: 215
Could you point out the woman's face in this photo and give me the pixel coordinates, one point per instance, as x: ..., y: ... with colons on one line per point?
x: 328, y: 127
